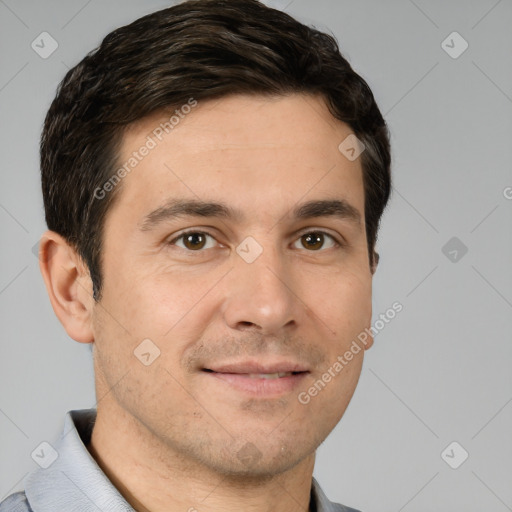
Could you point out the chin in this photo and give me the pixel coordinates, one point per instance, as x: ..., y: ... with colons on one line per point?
x: 262, y: 461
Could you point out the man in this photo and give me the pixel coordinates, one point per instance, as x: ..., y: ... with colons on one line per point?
x: 213, y: 178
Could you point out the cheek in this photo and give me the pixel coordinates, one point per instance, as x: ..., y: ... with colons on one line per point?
x: 171, y: 309
x: 347, y: 312
x: 147, y: 301
x: 343, y: 301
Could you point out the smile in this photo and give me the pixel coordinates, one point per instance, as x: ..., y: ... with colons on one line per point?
x: 264, y: 385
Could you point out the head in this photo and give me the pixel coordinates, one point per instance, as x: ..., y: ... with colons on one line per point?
x: 222, y: 119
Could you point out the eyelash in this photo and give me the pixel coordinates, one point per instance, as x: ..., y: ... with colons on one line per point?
x: 337, y: 243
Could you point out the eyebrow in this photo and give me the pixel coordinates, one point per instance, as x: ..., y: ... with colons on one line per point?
x: 174, y: 208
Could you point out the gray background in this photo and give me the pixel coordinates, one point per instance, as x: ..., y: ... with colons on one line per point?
x: 440, y: 371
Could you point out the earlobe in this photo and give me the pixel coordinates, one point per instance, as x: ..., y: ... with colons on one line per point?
x: 368, y: 331
x: 376, y: 258
x: 68, y: 284
x: 368, y: 342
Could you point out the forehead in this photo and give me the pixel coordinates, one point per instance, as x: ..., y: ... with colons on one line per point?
x: 242, y: 150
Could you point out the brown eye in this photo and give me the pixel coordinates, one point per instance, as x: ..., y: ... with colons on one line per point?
x: 316, y: 240
x: 312, y: 240
x: 194, y: 241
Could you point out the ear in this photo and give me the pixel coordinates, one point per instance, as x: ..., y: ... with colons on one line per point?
x: 369, y: 339
x: 376, y: 259
x: 69, y: 285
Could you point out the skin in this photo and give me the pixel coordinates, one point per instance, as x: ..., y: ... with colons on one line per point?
x: 169, y: 435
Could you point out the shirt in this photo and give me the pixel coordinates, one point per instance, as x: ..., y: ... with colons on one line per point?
x: 70, y: 480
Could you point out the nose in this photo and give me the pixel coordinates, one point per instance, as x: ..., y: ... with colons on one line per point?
x: 260, y: 296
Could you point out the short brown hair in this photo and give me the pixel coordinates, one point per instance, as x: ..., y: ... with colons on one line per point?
x: 203, y: 49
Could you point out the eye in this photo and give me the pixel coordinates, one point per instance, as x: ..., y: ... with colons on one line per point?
x: 194, y: 241
x: 316, y: 240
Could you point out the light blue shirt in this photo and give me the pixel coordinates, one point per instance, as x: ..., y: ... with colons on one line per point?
x: 74, y: 482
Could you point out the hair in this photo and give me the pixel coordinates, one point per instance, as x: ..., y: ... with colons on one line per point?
x: 201, y: 49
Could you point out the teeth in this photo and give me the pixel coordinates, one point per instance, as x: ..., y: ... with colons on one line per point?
x: 269, y: 375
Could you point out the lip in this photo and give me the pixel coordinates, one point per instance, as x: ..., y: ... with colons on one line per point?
x: 238, y: 376
x: 256, y: 386
x: 258, y: 367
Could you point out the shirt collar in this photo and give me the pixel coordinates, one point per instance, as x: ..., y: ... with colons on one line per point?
x: 74, y: 482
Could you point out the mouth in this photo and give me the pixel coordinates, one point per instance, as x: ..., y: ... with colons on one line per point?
x: 256, y: 379
x: 275, y: 375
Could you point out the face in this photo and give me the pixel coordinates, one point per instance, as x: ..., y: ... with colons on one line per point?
x: 237, y: 250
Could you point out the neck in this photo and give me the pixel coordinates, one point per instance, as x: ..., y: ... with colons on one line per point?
x: 152, y: 477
